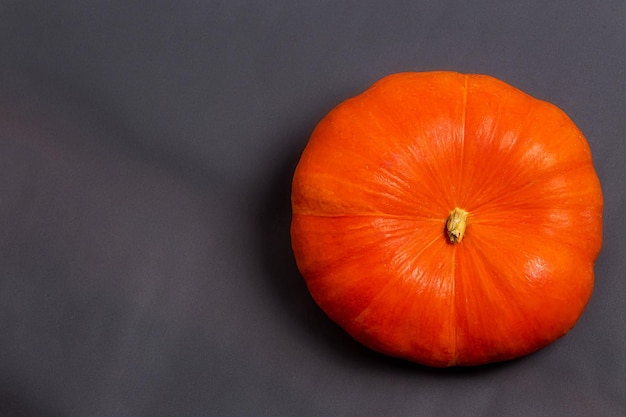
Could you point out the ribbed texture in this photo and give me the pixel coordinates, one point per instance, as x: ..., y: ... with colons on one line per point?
x: 377, y: 182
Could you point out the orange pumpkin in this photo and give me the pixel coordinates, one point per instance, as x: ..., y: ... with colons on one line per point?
x: 448, y: 219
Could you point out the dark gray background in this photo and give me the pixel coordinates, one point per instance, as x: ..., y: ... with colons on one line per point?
x: 146, y: 153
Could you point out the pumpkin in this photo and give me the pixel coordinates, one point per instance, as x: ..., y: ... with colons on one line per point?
x: 448, y: 219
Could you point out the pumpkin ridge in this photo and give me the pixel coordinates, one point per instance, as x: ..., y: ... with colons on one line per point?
x: 463, y: 133
x: 460, y: 186
x: 391, y: 281
x: 454, y: 325
x: 373, y: 214
x: 478, y: 256
x: 510, y: 93
x: 518, y: 287
x: 402, y: 282
x: 379, y: 193
x: 437, y: 198
x: 562, y: 170
x: 526, y: 133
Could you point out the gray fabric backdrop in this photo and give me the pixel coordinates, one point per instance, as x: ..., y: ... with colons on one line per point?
x: 146, y: 153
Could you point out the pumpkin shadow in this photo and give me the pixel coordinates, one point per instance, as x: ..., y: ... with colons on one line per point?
x: 289, y: 290
x: 273, y: 220
x: 286, y: 284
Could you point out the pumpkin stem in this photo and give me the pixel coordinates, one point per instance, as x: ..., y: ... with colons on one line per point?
x: 456, y: 224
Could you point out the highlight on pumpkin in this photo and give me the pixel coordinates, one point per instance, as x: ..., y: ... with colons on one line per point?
x: 456, y: 224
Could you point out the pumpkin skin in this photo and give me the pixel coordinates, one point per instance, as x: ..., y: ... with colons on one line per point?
x: 372, y: 196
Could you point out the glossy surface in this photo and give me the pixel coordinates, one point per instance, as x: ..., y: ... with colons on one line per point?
x: 372, y: 194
